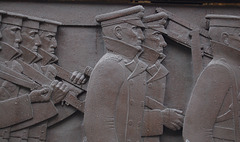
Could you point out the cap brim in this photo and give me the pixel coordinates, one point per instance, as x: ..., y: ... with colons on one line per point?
x: 138, y: 23
x: 162, y: 30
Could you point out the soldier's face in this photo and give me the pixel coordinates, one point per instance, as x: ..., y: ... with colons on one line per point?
x: 11, y: 35
x: 155, y: 40
x: 30, y: 39
x: 234, y: 39
x: 132, y: 34
x: 49, y: 42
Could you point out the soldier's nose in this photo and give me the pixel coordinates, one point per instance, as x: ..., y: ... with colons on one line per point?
x: 140, y: 34
x: 38, y: 41
x: 163, y: 44
x: 18, y: 37
x: 54, y: 43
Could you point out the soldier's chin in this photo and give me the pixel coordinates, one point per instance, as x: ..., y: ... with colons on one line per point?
x: 51, y: 51
x: 16, y: 45
x: 138, y: 47
x: 160, y: 51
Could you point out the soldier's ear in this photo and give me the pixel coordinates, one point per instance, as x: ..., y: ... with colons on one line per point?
x: 224, y: 37
x: 118, y: 32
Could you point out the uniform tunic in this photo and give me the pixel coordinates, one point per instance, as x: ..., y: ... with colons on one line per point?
x: 213, y: 110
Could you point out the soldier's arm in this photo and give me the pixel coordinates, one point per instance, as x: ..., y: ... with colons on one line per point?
x: 205, y: 103
x: 15, y: 110
x: 19, y: 109
x: 103, y: 88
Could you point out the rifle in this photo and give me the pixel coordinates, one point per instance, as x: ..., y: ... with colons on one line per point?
x: 43, y: 80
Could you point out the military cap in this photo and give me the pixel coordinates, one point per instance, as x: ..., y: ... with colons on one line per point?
x: 132, y: 15
x: 156, y: 22
x: 49, y: 25
x: 216, y: 20
x: 32, y: 22
x: 13, y: 18
x: 1, y: 13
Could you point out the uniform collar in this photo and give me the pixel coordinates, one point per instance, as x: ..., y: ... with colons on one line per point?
x: 48, y: 58
x: 161, y: 72
x: 140, y: 67
x: 121, y: 48
x: 28, y: 56
x: 220, y: 51
x: 149, y: 55
x: 8, y: 52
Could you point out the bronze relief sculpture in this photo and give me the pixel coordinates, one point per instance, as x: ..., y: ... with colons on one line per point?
x: 126, y: 96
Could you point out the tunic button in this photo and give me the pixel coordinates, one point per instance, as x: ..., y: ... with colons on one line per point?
x: 131, y: 102
x: 150, y: 85
x: 163, y: 85
x: 130, y: 123
x: 139, y: 124
x: 131, y: 82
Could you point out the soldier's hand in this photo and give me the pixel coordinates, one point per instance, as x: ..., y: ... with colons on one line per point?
x: 60, y: 90
x: 42, y: 95
x: 173, y: 118
x: 78, y: 78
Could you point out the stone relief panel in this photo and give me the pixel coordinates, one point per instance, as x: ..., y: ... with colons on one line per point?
x: 131, y: 73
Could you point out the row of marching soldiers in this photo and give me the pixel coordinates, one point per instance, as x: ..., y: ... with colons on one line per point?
x: 33, y: 88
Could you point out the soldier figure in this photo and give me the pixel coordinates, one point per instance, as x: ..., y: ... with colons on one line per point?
x: 114, y: 109
x: 30, y: 40
x: 18, y: 106
x: 213, y: 111
x: 48, y: 30
x: 115, y: 94
x: 156, y: 77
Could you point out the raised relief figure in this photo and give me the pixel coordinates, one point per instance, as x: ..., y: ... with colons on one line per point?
x: 213, y: 111
x: 48, y: 32
x: 17, y: 107
x: 116, y: 91
x: 30, y: 40
x: 156, y: 79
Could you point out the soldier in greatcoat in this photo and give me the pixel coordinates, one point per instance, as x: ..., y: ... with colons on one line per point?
x: 115, y: 101
x: 156, y: 75
x: 213, y: 111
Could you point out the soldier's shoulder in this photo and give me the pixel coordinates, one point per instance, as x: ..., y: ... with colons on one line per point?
x: 109, y: 60
x: 109, y: 63
x: 111, y: 57
x: 218, y: 70
x: 220, y: 64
